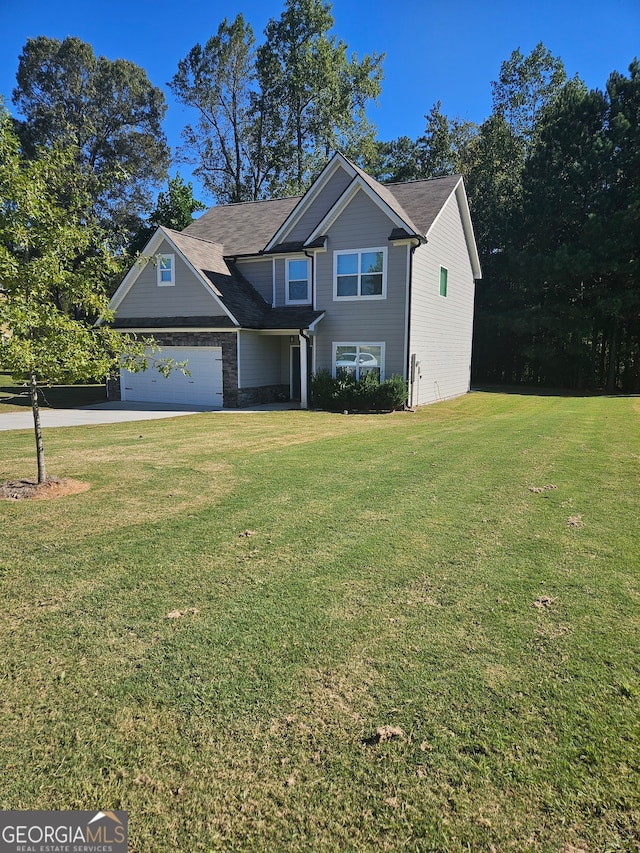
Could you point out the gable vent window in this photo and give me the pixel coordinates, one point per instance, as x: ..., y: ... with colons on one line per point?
x: 297, y: 287
x: 443, y: 281
x: 360, y: 275
x: 166, y: 268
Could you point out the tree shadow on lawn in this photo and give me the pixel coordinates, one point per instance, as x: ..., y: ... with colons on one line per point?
x: 539, y: 391
x: 54, y: 397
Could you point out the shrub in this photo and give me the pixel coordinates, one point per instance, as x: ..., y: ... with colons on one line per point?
x: 366, y: 394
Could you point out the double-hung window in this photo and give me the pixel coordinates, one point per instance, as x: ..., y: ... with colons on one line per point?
x: 166, y: 269
x: 356, y: 360
x: 360, y: 274
x: 298, y: 289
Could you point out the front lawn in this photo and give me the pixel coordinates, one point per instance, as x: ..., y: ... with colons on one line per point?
x: 298, y: 631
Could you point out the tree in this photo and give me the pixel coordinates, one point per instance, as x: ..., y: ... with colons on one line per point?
x: 107, y: 112
x: 174, y: 209
x: 443, y: 146
x: 526, y: 84
x: 580, y: 237
x: 218, y: 81
x: 269, y: 118
x: 52, y: 256
x: 495, y: 161
x: 313, y: 95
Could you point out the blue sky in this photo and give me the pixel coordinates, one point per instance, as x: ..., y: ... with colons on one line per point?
x: 447, y: 51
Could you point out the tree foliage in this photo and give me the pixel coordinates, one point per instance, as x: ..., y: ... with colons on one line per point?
x: 217, y: 80
x: 561, y: 303
x: 53, y: 258
x: 107, y: 112
x: 174, y: 209
x: 270, y: 116
x: 315, y: 93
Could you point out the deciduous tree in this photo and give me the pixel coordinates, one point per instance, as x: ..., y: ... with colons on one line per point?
x: 107, y: 112
x: 52, y: 257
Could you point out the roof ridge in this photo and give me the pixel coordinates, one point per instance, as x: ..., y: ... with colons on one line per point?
x: 250, y: 201
x: 422, y: 180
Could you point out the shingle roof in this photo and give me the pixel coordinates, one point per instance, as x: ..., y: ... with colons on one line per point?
x: 423, y: 200
x: 243, y: 229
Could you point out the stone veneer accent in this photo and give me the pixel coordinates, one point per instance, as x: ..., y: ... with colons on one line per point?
x: 232, y: 396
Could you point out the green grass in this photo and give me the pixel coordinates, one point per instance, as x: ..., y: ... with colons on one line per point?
x: 14, y: 397
x: 346, y: 573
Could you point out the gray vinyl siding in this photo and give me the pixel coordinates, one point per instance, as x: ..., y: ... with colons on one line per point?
x: 362, y: 225
x: 442, y: 327
x: 334, y: 188
x: 187, y: 298
x: 260, y: 359
x: 260, y: 275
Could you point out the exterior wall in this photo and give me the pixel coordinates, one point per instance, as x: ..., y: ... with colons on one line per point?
x: 260, y: 274
x: 442, y: 327
x: 259, y: 358
x: 362, y: 225
x: 331, y: 192
x: 186, y: 298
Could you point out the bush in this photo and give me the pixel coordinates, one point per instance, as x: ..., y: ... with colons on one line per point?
x: 367, y: 394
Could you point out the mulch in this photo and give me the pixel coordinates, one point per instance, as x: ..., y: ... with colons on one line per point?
x: 53, y: 487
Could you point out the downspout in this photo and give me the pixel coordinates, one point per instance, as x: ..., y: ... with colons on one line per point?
x: 409, y: 288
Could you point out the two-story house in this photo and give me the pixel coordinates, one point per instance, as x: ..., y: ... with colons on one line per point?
x: 353, y: 276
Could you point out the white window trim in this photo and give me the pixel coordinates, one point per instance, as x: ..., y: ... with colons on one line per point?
x: 359, y: 252
x: 336, y: 344
x: 288, y: 301
x: 172, y: 258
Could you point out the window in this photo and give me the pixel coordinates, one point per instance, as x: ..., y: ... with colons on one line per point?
x: 297, y: 285
x: 166, y: 270
x: 358, y: 359
x: 360, y: 275
x: 443, y: 281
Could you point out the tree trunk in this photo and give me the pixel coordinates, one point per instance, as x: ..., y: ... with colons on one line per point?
x: 35, y: 407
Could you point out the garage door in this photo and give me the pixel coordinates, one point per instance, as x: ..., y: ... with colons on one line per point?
x: 202, y: 388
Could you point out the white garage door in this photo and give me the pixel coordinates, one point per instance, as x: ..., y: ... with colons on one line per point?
x: 202, y: 388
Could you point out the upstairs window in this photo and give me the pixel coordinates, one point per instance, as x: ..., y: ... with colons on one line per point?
x: 443, y: 281
x: 360, y: 275
x: 166, y: 270
x: 298, y: 290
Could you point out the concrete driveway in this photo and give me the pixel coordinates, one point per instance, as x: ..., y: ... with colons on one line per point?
x: 116, y: 413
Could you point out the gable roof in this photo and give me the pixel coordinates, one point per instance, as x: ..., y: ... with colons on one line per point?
x: 240, y: 303
x: 261, y: 227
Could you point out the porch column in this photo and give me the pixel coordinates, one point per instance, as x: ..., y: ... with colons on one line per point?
x: 304, y: 373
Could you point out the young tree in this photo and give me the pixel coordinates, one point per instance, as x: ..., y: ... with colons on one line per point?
x: 107, y: 112
x: 52, y: 256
